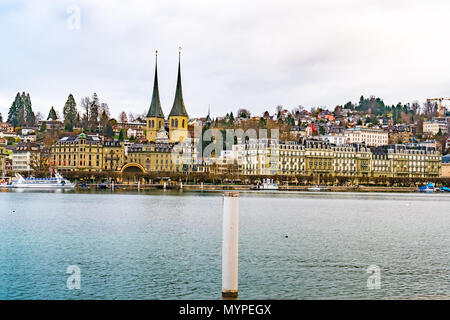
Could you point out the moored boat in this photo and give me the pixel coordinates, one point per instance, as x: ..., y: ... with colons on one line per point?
x: 56, y: 182
x: 267, y: 184
x: 429, y: 187
x: 317, y: 188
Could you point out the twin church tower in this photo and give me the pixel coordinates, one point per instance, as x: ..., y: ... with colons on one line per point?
x: 178, y: 117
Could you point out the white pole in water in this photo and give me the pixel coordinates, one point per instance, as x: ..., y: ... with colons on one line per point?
x: 201, y: 186
x: 230, y: 231
x: 112, y: 185
x: 139, y: 185
x: 164, y: 186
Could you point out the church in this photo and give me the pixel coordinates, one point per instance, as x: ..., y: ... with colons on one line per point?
x: 177, y: 124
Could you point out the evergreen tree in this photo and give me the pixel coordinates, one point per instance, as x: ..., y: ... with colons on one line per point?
x: 1, y: 117
x: 70, y: 113
x: 43, y: 127
x: 109, y: 132
x: 52, y: 114
x: 121, y: 135
x: 94, y: 112
x: 262, y: 122
x: 16, y: 114
x: 29, y: 118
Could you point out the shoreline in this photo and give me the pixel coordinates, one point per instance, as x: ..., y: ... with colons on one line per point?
x: 224, y: 187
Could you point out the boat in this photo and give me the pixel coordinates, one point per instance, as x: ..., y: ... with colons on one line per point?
x: 317, y: 188
x: 429, y: 187
x: 267, y: 184
x: 56, y: 182
x: 443, y: 189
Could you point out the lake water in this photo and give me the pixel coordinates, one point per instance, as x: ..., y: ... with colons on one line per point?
x: 167, y: 245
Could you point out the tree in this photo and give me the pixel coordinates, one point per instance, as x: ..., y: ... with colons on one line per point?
x: 121, y: 137
x: 109, y: 132
x: 85, y: 105
x: 52, y: 114
x: 70, y: 113
x: 94, y: 112
x: 29, y: 116
x: 1, y: 117
x: 104, y: 118
x: 123, y: 117
x: 243, y: 113
x: 231, y: 118
x: 39, y: 160
x: 43, y: 127
x: 262, y: 122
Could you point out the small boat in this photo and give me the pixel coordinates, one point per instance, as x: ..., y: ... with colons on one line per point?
x: 427, y: 188
x: 317, y: 188
x: 267, y: 184
x: 443, y: 189
x: 56, y: 182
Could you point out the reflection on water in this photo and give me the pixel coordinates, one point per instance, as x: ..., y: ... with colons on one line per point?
x: 167, y: 245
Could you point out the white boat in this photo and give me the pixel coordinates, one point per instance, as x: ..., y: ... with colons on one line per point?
x: 317, y: 188
x: 267, y: 184
x: 56, y: 182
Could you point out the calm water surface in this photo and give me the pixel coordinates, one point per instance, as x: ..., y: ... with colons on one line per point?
x: 167, y: 245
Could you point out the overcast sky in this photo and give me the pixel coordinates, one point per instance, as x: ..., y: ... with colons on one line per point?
x: 251, y: 54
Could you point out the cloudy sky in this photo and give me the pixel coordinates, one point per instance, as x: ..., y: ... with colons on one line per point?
x: 251, y: 54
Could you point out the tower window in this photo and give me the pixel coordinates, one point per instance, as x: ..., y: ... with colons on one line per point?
x: 183, y: 124
x: 176, y: 123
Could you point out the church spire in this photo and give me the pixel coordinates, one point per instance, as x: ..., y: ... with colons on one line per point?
x: 155, y: 106
x: 178, y: 108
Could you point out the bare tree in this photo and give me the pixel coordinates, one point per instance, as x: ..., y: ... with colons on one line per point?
x: 123, y: 117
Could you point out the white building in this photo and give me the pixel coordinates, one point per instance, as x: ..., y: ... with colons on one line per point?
x: 433, y: 126
x: 260, y: 157
x: 22, y: 157
x: 337, y: 139
x: 371, y: 137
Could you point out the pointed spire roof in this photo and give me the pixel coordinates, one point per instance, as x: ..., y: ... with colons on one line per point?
x: 178, y: 108
x: 155, y: 106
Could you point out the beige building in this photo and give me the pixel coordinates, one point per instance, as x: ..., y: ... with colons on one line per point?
x: 371, y: 137
x: 432, y: 127
x: 86, y: 152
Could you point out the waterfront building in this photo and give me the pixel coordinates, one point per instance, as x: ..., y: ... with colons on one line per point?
x: 406, y: 161
x: 371, y: 137
x: 446, y: 166
x: 23, y: 155
x: 86, y: 152
x: 260, y: 157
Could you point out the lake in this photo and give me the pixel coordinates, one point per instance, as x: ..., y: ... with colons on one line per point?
x: 167, y: 245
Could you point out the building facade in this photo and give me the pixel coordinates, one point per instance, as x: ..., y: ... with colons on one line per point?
x: 371, y: 137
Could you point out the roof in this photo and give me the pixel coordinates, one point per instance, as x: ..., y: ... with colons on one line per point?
x: 155, y: 109
x: 178, y: 108
x: 446, y: 158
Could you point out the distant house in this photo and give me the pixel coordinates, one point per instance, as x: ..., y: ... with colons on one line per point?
x: 6, y: 127
x: 52, y: 124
